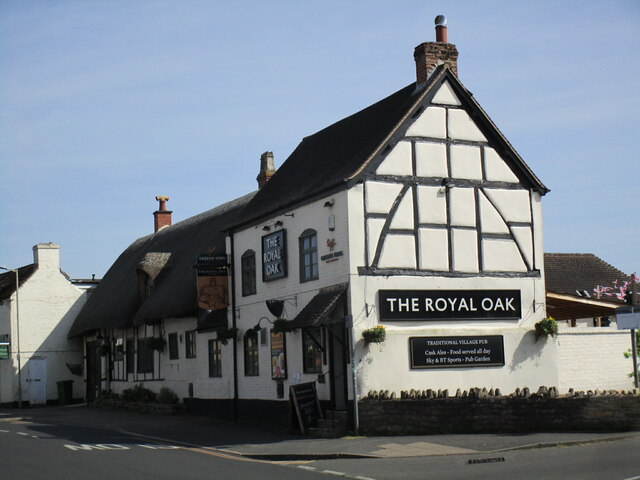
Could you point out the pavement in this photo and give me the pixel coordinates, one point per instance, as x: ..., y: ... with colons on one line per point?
x: 259, y: 443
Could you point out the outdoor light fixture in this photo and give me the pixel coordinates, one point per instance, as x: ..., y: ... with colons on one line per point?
x: 15, y: 270
x: 266, y: 228
x: 256, y: 327
x: 329, y: 203
x: 278, y: 223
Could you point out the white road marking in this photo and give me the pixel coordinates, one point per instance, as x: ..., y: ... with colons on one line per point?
x: 633, y: 478
x: 22, y: 433
x: 333, y: 472
x: 4, y: 431
x: 306, y: 468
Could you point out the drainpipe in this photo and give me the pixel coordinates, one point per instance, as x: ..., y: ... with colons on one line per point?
x: 348, y: 319
x: 233, y: 324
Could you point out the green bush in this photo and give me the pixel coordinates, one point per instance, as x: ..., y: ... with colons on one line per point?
x: 138, y: 394
x: 166, y: 395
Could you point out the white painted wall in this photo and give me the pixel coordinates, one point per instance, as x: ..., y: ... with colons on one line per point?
x: 49, y: 303
x: 296, y: 294
x: 592, y: 358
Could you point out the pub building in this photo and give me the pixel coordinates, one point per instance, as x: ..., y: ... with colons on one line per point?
x: 414, y: 216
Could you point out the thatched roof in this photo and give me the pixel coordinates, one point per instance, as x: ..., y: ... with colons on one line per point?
x: 166, y: 258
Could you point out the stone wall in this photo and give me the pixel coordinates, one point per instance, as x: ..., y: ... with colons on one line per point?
x: 478, y: 412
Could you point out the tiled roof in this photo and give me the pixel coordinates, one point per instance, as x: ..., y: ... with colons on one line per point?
x: 571, y: 273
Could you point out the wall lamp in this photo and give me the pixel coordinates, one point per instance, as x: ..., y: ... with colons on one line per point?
x: 256, y: 328
x: 266, y: 228
x: 329, y: 203
x: 278, y: 223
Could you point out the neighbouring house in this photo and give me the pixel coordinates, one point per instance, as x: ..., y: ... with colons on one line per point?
x: 35, y: 317
x: 583, y: 292
x: 399, y: 248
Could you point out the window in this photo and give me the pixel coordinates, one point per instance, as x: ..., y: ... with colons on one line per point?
x: 312, y: 349
x: 251, y: 354
x: 130, y: 356
x: 190, y: 343
x: 215, y: 359
x: 248, y: 273
x: 145, y: 357
x: 308, y: 256
x: 173, y: 346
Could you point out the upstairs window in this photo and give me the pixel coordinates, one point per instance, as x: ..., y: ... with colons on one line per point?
x: 248, y: 273
x: 308, y: 255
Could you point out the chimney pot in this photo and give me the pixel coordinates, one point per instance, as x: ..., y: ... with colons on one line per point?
x: 430, y: 55
x: 162, y: 216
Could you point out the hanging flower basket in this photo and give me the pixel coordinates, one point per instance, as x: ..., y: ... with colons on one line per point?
x: 224, y: 334
x: 281, y: 325
x: 376, y: 334
x: 546, y: 328
x: 155, y: 343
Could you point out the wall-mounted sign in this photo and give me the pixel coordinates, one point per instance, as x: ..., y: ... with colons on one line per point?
x: 4, y: 351
x: 448, y: 352
x: 278, y: 356
x: 419, y: 305
x: 274, y: 256
x: 213, y: 289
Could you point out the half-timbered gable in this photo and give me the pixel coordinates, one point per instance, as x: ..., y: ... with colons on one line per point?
x: 447, y: 195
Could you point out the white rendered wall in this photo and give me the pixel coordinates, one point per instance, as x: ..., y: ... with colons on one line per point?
x: 591, y: 358
x: 296, y: 294
x: 49, y: 303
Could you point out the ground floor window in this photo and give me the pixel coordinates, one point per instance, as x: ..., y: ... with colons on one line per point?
x: 312, y: 349
x: 251, y: 354
x: 190, y: 343
x: 130, y: 352
x: 145, y: 357
x: 173, y: 346
x: 215, y: 358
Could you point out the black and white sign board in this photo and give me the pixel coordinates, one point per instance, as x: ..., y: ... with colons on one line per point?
x: 421, y: 305
x: 448, y: 352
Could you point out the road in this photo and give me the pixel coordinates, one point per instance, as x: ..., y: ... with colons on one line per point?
x: 33, y: 450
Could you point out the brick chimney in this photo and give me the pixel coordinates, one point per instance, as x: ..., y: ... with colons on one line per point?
x: 162, y: 216
x: 429, y: 55
x: 267, y: 169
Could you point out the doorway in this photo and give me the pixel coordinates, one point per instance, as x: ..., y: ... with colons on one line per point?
x: 37, y: 381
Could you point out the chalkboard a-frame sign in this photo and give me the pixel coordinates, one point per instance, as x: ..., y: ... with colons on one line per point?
x: 306, y: 405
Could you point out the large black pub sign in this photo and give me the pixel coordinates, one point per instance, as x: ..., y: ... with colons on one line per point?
x: 274, y: 256
x: 421, y: 305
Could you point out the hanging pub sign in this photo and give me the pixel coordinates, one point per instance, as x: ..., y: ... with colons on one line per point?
x: 213, y: 290
x: 274, y: 256
x: 448, y: 352
x: 420, y: 305
x: 278, y: 356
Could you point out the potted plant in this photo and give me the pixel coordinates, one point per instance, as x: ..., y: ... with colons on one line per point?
x: 225, y: 333
x: 155, y: 343
x: 546, y: 328
x: 377, y: 334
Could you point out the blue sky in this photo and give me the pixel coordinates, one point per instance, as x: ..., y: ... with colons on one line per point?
x: 106, y: 104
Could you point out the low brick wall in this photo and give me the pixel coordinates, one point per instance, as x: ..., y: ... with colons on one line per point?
x: 535, y: 413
